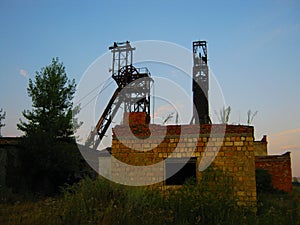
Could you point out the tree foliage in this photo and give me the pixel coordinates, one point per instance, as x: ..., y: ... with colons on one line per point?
x: 51, y: 93
x: 50, y: 157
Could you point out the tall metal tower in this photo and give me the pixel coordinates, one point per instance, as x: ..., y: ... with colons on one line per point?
x: 200, y: 83
x: 133, y: 91
x: 122, y: 55
x: 135, y: 82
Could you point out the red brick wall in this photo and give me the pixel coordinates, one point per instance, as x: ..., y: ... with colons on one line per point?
x: 279, y: 166
x: 135, y: 118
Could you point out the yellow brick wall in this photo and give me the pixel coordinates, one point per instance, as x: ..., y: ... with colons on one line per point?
x: 233, y: 154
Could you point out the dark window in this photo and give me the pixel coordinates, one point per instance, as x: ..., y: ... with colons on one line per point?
x: 187, y: 171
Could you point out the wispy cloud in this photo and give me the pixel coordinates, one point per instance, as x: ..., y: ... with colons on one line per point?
x: 287, y: 132
x: 166, y: 109
x: 290, y: 147
x: 161, y: 110
x: 24, y: 73
x: 287, y: 140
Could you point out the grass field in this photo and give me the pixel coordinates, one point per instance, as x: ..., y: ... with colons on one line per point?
x: 102, y: 202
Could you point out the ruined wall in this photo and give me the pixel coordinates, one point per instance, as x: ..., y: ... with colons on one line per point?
x: 261, y: 147
x: 279, y: 166
x: 235, y: 157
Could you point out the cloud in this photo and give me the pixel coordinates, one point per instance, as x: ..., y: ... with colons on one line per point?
x: 287, y: 140
x: 162, y: 110
x: 167, y: 109
x: 290, y: 147
x: 287, y: 132
x: 24, y: 73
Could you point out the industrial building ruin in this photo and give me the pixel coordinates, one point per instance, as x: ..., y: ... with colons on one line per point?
x: 186, y: 147
x: 153, y: 152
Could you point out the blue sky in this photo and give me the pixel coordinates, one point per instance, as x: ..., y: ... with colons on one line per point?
x: 253, y: 49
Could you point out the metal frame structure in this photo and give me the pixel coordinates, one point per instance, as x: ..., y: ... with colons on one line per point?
x: 135, y: 83
x: 200, y: 83
x: 133, y: 91
x: 122, y: 53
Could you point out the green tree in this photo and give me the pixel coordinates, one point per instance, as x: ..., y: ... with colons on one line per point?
x: 50, y: 157
x: 51, y: 93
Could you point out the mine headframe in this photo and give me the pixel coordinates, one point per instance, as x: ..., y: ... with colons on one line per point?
x: 133, y: 91
x: 200, y: 83
x: 135, y: 84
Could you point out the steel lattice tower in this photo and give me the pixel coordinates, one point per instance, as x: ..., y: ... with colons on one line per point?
x: 135, y: 82
x: 133, y: 91
x: 200, y: 83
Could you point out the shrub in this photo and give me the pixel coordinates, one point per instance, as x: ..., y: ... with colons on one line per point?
x: 263, y: 181
x: 102, y: 202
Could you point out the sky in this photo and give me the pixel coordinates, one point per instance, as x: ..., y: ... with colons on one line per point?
x: 253, y: 49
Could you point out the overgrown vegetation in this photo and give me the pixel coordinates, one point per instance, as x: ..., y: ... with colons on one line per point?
x: 48, y: 156
x: 51, y: 164
x: 41, y: 171
x: 263, y: 181
x: 279, y: 208
x: 223, y: 115
x: 250, y: 116
x: 102, y: 202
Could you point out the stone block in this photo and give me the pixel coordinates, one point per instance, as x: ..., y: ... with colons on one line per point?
x: 238, y: 143
x: 228, y: 143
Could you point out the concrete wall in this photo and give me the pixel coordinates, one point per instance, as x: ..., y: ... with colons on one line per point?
x: 235, y: 157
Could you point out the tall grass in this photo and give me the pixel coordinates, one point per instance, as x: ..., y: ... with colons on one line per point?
x: 105, y: 203
x: 102, y: 202
x: 279, y: 208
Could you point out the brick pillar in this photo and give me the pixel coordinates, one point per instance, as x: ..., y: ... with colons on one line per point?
x: 135, y: 118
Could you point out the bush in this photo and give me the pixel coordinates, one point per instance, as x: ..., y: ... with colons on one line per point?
x: 263, y: 181
x: 103, y: 202
x: 43, y: 166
